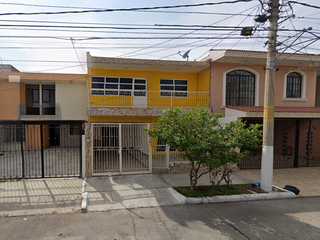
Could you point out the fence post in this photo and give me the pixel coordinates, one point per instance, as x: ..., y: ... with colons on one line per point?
x: 22, y: 155
x: 149, y: 149
x: 120, y: 149
x: 296, y: 145
x: 42, y: 153
x: 83, y: 153
x: 167, y: 156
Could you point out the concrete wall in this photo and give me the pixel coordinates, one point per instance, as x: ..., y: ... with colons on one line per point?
x: 71, y: 100
x: 218, y: 75
x: 11, y: 96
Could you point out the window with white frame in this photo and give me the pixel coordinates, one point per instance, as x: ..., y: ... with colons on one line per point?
x: 118, y: 86
x: 294, y: 85
x: 173, y: 87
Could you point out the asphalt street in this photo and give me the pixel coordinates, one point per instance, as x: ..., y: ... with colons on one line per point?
x: 297, y: 218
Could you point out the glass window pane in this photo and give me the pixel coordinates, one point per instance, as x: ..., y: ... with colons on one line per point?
x: 143, y: 81
x: 125, y: 80
x: 180, y: 82
x: 167, y: 88
x: 141, y: 94
x: 181, y: 88
x: 45, y: 96
x: 111, y: 86
x: 112, y: 80
x: 166, y: 81
x: 97, y: 92
x: 240, y: 88
x: 97, y: 79
x: 97, y: 85
x: 35, y: 95
x: 111, y: 92
x: 140, y: 87
x: 165, y: 94
x: 125, y: 93
x: 125, y: 86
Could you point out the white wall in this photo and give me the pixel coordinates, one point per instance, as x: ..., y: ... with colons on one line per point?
x: 71, y: 101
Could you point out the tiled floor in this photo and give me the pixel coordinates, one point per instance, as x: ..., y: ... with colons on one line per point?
x: 306, y: 179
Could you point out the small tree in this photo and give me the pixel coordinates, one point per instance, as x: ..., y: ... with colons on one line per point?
x: 226, y: 149
x: 202, y: 141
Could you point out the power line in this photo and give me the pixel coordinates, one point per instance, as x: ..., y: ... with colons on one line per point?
x: 179, y: 36
x: 153, y: 11
x: 304, y: 4
x: 99, y: 38
x: 127, y: 9
x: 46, y: 6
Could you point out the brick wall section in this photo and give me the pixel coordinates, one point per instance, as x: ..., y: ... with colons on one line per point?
x: 147, y: 112
x: 7, y: 68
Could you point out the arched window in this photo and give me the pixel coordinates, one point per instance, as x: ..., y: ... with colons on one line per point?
x: 240, y: 88
x: 294, y: 85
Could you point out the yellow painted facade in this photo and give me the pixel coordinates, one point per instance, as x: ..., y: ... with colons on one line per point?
x: 198, y: 92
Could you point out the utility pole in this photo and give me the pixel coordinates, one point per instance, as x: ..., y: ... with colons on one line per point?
x: 268, y: 113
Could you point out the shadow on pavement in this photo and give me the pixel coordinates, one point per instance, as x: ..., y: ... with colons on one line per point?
x: 40, y: 196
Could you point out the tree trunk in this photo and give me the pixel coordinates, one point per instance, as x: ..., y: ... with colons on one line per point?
x: 193, y: 176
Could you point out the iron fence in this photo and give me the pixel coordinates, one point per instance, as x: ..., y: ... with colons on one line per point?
x: 40, y: 149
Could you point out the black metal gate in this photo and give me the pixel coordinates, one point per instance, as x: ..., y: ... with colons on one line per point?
x: 40, y: 149
x: 295, y: 144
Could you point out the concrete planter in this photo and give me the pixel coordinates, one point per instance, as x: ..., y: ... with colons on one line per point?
x: 233, y: 198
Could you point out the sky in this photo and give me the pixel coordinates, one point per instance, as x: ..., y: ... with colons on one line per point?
x: 57, y: 43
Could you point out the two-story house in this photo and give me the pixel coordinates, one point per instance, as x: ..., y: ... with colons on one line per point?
x: 41, y: 121
x: 237, y: 91
x: 125, y: 96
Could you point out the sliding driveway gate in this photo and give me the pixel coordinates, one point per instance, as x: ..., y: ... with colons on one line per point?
x: 120, y: 148
x: 40, y: 149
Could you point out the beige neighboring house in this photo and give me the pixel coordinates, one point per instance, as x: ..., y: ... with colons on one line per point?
x: 41, y: 123
x: 237, y: 91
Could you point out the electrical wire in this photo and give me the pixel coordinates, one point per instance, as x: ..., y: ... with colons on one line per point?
x: 177, y: 38
x: 127, y: 9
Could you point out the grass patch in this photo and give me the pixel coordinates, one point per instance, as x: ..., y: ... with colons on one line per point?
x: 221, y: 190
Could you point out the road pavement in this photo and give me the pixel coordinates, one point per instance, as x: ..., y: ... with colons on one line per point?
x: 297, y: 218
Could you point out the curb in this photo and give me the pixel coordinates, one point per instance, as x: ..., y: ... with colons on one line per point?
x: 233, y: 198
x: 84, y: 203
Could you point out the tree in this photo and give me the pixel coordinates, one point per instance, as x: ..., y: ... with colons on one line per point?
x: 202, y: 141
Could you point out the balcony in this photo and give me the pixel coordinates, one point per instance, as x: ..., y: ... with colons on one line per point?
x: 147, y: 99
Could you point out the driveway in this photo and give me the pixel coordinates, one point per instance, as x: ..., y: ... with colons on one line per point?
x: 306, y: 179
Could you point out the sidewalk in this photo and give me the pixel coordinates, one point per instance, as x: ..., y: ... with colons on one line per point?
x: 47, y: 196
x: 306, y: 179
x: 40, y: 196
x: 144, y: 190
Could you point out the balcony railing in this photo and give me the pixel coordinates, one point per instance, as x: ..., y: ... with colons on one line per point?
x: 148, y: 99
